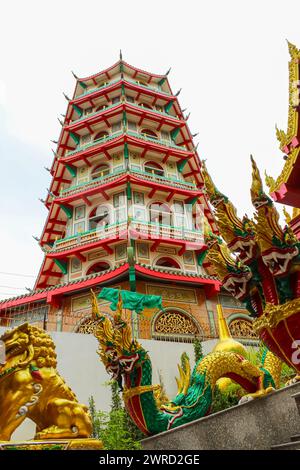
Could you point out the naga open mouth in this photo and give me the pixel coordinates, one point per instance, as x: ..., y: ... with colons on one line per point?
x: 278, y: 261
x: 245, y: 248
x: 237, y: 286
x: 128, y: 362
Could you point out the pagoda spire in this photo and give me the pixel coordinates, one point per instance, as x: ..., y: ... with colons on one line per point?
x: 226, y: 342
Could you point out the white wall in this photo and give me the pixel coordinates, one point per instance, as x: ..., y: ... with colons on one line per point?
x: 83, y: 371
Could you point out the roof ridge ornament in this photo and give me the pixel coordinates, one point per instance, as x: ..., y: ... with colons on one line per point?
x: 293, y: 50
x: 74, y: 75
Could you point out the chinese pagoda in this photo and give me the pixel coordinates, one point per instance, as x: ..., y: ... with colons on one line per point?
x: 125, y: 210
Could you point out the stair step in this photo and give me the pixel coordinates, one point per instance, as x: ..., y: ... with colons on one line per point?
x: 295, y: 437
x: 293, y: 445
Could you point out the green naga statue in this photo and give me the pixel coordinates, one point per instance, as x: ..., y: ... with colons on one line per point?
x: 129, y: 363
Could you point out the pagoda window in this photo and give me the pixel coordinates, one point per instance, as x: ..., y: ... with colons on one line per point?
x: 116, y: 126
x: 149, y: 133
x: 99, y: 218
x: 87, y: 111
x: 116, y: 99
x: 141, y: 82
x: 98, y: 268
x: 85, y: 139
x: 166, y: 262
x: 101, y: 107
x: 154, y: 168
x: 130, y: 99
x: 100, y: 170
x: 165, y: 135
x: 101, y: 84
x: 131, y: 125
x: 146, y: 105
x: 160, y: 213
x: 101, y: 135
x: 120, y: 209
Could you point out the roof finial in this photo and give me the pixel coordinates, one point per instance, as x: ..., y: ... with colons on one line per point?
x: 66, y: 96
x: 168, y: 71
x: 293, y: 50
x: 74, y: 75
x: 60, y: 121
x: 121, y: 57
x: 176, y: 94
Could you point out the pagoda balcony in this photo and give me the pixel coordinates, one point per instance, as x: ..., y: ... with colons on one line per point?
x: 85, y: 240
x: 145, y: 230
x: 115, y: 105
x: 119, y: 79
x: 135, y: 229
x: 105, y: 180
x: 115, y: 135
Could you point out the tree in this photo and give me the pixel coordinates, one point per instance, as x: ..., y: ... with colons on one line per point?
x: 113, y: 428
x: 198, y: 352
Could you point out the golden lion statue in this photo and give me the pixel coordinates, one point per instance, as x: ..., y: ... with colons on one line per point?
x: 30, y: 387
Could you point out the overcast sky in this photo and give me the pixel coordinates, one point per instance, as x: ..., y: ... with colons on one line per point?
x: 229, y: 57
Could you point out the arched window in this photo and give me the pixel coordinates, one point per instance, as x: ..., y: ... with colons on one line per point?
x: 146, y: 105
x: 167, y: 262
x: 98, y: 268
x: 154, y: 168
x: 100, y: 170
x: 150, y: 133
x: 242, y: 328
x: 99, y: 108
x: 175, y: 325
x: 160, y: 213
x: 99, y: 217
x: 101, y: 135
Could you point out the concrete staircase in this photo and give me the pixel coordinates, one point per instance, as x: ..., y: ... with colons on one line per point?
x: 294, y: 443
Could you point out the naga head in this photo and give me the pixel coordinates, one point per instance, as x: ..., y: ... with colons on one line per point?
x: 233, y: 274
x: 278, y: 247
x: 106, y: 337
x: 238, y: 233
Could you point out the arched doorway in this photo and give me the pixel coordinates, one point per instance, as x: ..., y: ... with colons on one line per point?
x: 149, y: 133
x: 101, y: 135
x: 99, y: 217
x: 98, y: 268
x: 167, y: 262
x: 100, y: 170
x: 154, y: 168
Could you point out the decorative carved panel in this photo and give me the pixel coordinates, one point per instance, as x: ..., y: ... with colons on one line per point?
x: 241, y: 328
x: 88, y: 326
x: 175, y: 323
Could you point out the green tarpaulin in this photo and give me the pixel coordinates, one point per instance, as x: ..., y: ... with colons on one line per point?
x: 131, y: 300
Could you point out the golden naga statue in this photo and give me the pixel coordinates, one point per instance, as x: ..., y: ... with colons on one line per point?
x: 30, y: 387
x: 258, y: 262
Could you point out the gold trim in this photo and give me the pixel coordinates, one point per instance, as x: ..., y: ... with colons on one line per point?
x: 131, y: 392
x: 274, y: 314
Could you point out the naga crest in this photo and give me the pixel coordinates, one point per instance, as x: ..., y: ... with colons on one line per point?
x: 118, y: 351
x: 257, y: 261
x: 238, y: 233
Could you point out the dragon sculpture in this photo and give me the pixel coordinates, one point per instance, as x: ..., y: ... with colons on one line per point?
x: 129, y: 363
x: 258, y: 262
x: 31, y: 387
